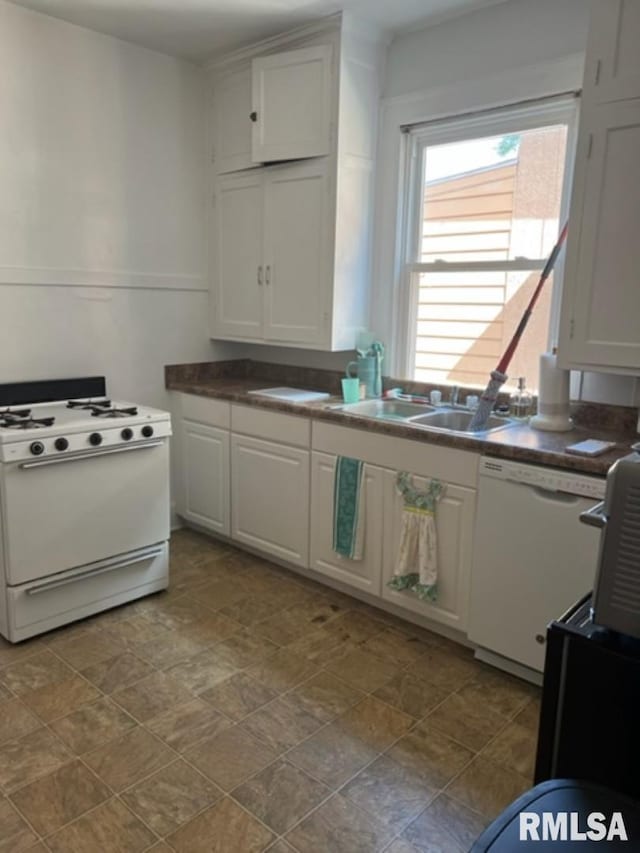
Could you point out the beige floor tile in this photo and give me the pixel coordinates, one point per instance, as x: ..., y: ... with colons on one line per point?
x: 201, y: 672
x: 224, y: 828
x: 445, y: 670
x: 230, y: 757
x: 214, y: 628
x: 170, y: 648
x: 16, y: 720
x: 411, y: 694
x: 445, y: 825
x: 238, y: 696
x: 133, y: 631
x: 151, y: 696
x: 488, y: 788
x: 324, y: 696
x: 55, y: 800
x: 375, y: 723
x: 175, y: 613
x: 93, y: 725
x: 362, y: 669
x: 339, y: 826
x: 34, y: 672
x: 396, y: 647
x: 111, y: 828
x: 5, y: 694
x: 500, y: 692
x: 223, y: 593
x: 400, y: 845
x: 471, y: 723
x: 281, y: 795
x: 515, y: 748
x: 354, y: 625
x: 529, y: 717
x: 117, y: 672
x: 332, y: 755
x: 11, y: 653
x: 171, y: 797
x: 87, y: 650
x: 15, y: 834
x: 280, y: 724
x: 243, y: 649
x: 26, y: 758
x: 282, y: 628
x: 248, y: 611
x: 432, y: 755
x: 319, y: 610
x: 321, y: 647
x: 60, y: 698
x: 125, y: 761
x: 281, y: 846
x: 282, y: 670
x: 390, y: 792
x: 184, y: 725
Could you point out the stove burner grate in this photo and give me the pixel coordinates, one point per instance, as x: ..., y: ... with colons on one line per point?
x: 89, y: 404
x: 114, y: 412
x: 21, y: 419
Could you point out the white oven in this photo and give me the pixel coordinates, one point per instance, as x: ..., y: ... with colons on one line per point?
x: 84, y: 504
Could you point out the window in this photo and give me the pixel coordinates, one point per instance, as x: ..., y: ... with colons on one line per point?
x: 484, y: 201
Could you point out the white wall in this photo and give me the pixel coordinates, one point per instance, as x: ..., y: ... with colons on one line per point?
x: 101, y: 208
x: 490, y: 41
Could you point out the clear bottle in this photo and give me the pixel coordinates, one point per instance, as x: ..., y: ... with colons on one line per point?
x: 521, y: 401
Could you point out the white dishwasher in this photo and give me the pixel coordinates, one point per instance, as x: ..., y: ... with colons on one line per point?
x: 532, y: 558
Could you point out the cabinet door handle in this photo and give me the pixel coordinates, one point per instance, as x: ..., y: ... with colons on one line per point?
x: 253, y: 116
x: 267, y: 274
x: 260, y: 274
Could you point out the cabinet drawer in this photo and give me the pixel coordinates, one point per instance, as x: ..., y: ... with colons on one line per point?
x: 272, y: 426
x: 206, y: 410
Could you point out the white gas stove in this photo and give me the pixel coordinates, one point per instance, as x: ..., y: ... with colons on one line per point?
x: 84, y: 503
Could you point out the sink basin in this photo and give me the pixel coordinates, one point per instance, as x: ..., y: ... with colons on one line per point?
x: 454, y: 420
x: 391, y: 409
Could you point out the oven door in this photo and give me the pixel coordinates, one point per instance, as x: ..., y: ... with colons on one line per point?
x: 67, y: 511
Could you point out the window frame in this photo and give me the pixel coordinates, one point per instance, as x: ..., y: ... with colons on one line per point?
x: 557, y: 109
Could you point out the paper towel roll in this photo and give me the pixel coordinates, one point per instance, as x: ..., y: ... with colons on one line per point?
x: 553, y: 396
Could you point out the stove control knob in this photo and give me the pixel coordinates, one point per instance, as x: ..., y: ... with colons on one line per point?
x: 37, y: 448
x: 61, y: 443
x: 126, y: 434
x: 95, y: 439
x: 147, y: 431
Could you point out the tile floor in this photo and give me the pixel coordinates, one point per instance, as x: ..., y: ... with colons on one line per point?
x: 248, y: 709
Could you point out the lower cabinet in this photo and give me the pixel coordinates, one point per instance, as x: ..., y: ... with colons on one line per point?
x: 204, y: 474
x: 270, y: 498
x: 455, y: 514
x: 364, y: 574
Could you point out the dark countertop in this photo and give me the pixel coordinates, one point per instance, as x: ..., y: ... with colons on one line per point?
x: 519, y: 443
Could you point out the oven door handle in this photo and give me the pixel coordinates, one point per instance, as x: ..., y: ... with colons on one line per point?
x: 77, y: 457
x: 595, y: 517
x: 91, y: 573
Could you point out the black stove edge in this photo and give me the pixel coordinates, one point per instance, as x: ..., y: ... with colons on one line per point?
x: 52, y: 390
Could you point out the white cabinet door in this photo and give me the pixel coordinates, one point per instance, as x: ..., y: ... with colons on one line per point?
x: 364, y: 574
x: 601, y: 303
x: 237, y: 257
x: 232, y: 123
x: 454, y: 520
x: 612, y: 71
x: 292, y: 104
x: 205, y: 476
x: 297, y: 253
x: 270, y: 498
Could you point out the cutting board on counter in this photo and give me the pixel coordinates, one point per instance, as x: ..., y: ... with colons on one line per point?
x: 291, y: 395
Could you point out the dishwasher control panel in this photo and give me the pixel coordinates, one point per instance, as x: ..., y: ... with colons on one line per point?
x: 551, y: 479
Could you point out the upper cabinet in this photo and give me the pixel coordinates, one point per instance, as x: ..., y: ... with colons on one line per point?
x: 612, y: 70
x: 599, y: 327
x: 292, y: 135
x: 291, y: 105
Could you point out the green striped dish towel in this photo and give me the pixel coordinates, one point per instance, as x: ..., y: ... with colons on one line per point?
x: 348, y: 508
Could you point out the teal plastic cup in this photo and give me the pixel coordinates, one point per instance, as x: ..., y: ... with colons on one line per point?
x: 351, y: 389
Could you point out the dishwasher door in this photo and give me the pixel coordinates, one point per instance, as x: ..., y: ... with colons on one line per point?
x: 532, y: 558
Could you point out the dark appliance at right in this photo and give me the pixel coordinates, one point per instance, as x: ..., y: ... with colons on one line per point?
x: 590, y: 715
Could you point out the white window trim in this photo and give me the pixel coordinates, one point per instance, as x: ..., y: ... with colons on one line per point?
x: 562, y: 109
x: 539, y: 80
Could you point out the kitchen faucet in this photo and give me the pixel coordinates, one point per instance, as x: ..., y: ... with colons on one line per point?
x: 453, y: 397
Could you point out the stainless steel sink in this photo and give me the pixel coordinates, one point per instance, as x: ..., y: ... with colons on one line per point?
x: 455, y: 420
x: 391, y: 409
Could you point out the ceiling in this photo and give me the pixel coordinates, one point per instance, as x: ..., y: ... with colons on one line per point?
x: 200, y: 29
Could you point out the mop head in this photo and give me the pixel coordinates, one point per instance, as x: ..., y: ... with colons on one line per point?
x: 487, y: 401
